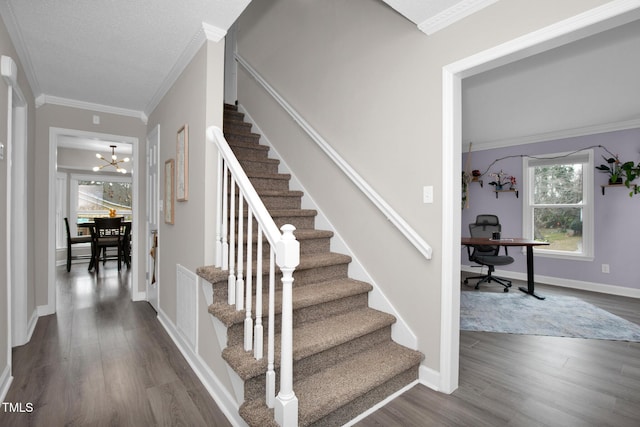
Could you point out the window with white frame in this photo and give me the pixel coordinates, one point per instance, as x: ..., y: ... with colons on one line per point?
x: 558, y: 203
x: 94, y: 196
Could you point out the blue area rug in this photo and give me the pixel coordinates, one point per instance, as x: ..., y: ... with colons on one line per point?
x: 558, y: 316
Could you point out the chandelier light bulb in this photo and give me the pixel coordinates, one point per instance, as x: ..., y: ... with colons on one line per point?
x: 114, y: 161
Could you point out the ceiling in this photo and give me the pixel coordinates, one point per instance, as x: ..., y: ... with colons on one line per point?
x: 122, y: 56
x: 586, y: 87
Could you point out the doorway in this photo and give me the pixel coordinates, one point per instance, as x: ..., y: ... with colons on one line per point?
x: 56, y: 138
x: 591, y: 22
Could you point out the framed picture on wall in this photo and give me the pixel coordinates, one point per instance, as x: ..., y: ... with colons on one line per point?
x: 169, y: 190
x: 182, y: 164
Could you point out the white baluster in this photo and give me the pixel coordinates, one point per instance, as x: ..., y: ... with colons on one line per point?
x: 271, y: 375
x: 231, y: 285
x: 248, y: 320
x: 225, y: 218
x: 287, y: 258
x: 239, y: 277
x: 219, y: 190
x: 258, y: 332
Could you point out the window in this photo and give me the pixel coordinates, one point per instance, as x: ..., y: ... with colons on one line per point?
x: 558, y: 204
x: 93, y: 196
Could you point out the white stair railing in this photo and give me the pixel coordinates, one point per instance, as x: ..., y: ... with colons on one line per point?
x: 284, y: 251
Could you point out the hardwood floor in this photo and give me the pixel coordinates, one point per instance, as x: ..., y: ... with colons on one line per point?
x: 103, y: 360
x: 520, y: 380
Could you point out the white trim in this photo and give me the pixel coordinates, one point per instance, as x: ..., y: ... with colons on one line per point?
x: 411, y: 235
x: 43, y: 99
x: 554, y: 35
x: 13, y: 28
x: 208, y: 378
x: 31, y: 325
x: 430, y: 378
x: 380, y: 404
x: 552, y: 136
x: 46, y: 310
x: 5, y: 381
x: 587, y: 205
x: 453, y: 14
x: 400, y: 330
x: 602, y: 288
x: 204, y: 33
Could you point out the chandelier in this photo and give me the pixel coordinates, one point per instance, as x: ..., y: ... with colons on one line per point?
x: 114, y: 161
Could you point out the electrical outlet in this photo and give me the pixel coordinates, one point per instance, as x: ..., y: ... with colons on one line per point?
x: 605, y: 268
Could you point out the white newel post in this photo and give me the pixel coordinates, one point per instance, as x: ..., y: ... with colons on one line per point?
x: 287, y: 258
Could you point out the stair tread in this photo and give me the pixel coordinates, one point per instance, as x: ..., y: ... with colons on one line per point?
x: 264, y: 175
x: 326, y: 391
x: 312, y: 338
x: 242, y: 144
x: 303, y: 296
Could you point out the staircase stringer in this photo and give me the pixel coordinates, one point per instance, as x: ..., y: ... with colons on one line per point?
x: 400, y: 331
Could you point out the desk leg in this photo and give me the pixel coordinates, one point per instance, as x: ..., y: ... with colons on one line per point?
x: 530, y: 289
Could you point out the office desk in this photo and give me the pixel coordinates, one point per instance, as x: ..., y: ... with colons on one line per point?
x: 516, y: 241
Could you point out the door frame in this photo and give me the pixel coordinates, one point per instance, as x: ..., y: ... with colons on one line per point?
x: 54, y: 134
x: 153, y: 135
x: 610, y: 15
x: 20, y: 325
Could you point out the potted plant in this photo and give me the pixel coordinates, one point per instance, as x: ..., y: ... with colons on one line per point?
x: 631, y: 171
x: 614, y: 168
x: 500, y: 179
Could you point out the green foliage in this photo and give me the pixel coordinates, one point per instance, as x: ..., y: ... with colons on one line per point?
x: 631, y: 171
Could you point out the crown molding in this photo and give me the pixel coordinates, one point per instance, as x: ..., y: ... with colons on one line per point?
x: 553, y: 136
x: 10, y: 22
x: 452, y: 15
x: 205, y: 32
x: 43, y: 99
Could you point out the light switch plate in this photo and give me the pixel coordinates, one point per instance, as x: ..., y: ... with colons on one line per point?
x: 1, y: 151
x: 427, y: 194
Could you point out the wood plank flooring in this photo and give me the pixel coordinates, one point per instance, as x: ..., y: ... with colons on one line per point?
x: 520, y: 380
x: 103, y: 360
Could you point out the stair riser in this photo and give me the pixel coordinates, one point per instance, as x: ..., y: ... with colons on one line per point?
x: 234, y: 126
x: 233, y: 115
x: 277, y: 184
x: 279, y: 202
x: 255, y: 166
x: 301, y: 278
x: 239, y: 137
x: 247, y: 152
x: 299, y: 222
x: 235, y: 333
x: 255, y: 387
x: 307, y: 246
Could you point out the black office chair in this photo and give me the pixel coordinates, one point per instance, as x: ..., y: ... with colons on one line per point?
x: 72, y: 241
x: 485, y: 226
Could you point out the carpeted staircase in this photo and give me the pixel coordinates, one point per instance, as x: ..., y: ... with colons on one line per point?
x: 344, y: 358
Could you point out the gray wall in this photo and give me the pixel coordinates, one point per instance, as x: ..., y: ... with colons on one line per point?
x: 6, y: 48
x: 48, y: 116
x: 371, y: 84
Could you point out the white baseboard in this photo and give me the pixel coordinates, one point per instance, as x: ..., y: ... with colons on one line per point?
x: 139, y: 296
x: 380, y: 404
x: 31, y: 326
x: 565, y: 283
x: 5, y: 382
x: 213, y: 385
x: 429, y: 378
x: 45, y: 310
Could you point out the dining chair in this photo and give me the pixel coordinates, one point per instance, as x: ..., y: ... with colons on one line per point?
x: 107, y: 234
x: 73, y: 241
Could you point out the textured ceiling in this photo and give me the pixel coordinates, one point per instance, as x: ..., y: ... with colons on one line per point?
x: 115, y: 53
x: 122, y: 55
